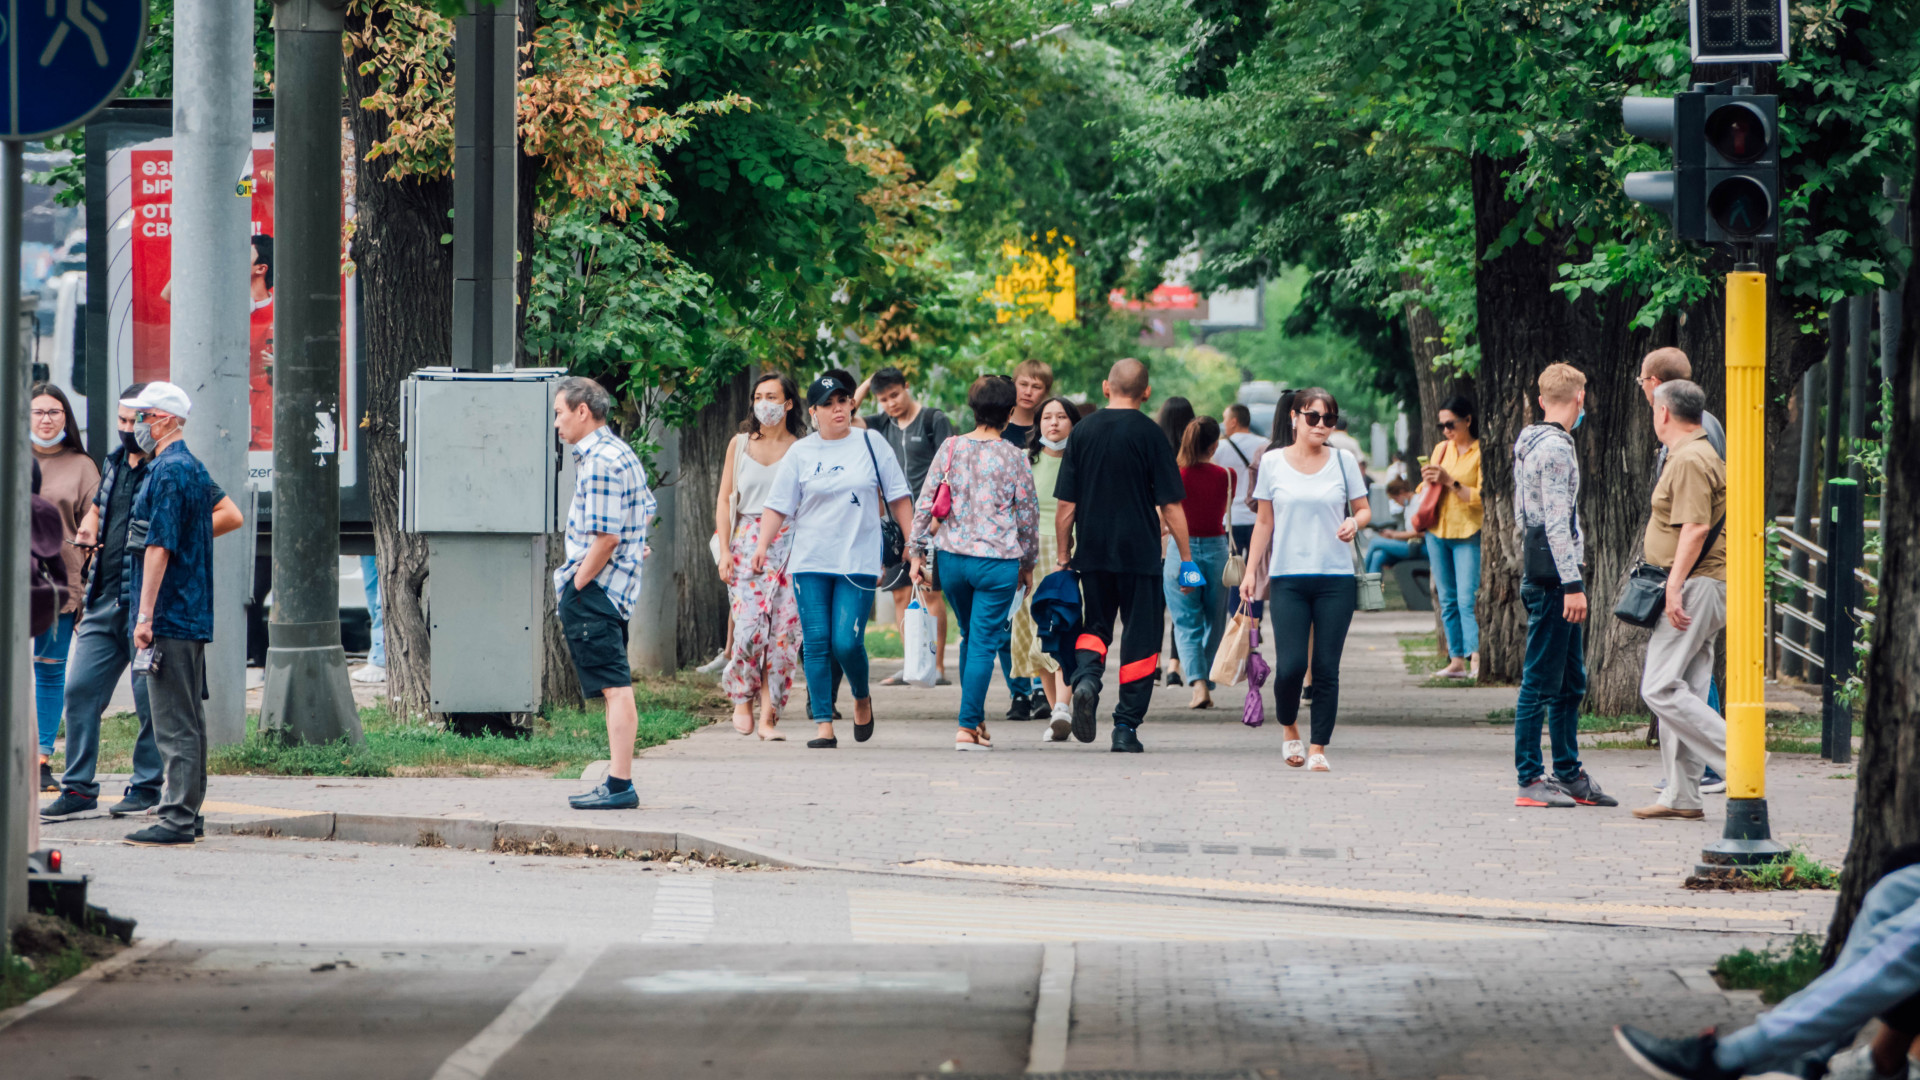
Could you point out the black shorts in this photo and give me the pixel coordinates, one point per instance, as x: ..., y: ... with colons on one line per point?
x: 596, y: 638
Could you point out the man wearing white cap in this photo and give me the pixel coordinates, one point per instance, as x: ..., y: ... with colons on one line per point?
x: 173, y: 597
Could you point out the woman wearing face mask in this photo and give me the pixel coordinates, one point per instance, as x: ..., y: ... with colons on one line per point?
x: 765, y: 613
x: 834, y: 485
x: 1311, y: 501
x: 68, y: 480
x: 1046, y: 446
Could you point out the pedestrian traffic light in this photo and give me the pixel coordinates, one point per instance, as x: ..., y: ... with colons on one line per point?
x: 1725, y: 181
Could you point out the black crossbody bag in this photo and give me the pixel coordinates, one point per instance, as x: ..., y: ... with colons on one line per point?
x: 1644, y: 599
x: 893, y: 542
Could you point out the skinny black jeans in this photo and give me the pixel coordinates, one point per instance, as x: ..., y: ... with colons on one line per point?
x: 1311, y: 609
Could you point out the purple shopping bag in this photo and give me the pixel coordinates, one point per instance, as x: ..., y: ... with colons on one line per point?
x: 1255, y: 712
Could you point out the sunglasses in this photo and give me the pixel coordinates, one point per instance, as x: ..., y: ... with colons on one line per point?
x: 1449, y: 425
x: 1317, y: 419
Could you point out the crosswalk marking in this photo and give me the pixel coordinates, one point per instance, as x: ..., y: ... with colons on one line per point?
x: 916, y: 918
x: 682, y: 911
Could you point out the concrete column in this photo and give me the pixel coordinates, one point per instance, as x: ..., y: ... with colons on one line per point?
x: 485, y: 162
x: 308, y: 698
x: 213, y: 137
x: 654, y: 640
x: 19, y: 753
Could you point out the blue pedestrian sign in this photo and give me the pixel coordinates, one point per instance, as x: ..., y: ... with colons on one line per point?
x: 64, y: 59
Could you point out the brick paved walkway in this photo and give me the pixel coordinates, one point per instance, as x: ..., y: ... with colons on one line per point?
x: 1416, y: 816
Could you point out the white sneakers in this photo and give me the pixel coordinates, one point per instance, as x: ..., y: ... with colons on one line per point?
x: 1059, y: 724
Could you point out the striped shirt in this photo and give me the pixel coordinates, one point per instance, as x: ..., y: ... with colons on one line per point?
x: 610, y: 495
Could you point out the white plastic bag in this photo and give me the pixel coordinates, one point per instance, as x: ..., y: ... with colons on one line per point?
x: 917, y: 635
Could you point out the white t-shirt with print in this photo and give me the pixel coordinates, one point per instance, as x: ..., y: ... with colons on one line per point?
x: 1251, y: 445
x: 827, y: 487
x: 1307, y: 512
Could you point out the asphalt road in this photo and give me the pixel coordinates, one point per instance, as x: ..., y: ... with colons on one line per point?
x: 295, y: 959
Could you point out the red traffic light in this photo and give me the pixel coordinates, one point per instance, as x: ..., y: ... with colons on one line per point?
x: 1738, y: 132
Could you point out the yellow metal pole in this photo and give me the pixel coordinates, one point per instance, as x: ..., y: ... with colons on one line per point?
x: 1748, y: 837
x: 1746, y: 535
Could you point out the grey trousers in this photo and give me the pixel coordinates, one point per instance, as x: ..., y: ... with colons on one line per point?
x: 1674, y: 684
x: 180, y: 728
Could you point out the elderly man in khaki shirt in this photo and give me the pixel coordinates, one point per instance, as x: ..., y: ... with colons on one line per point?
x: 1684, y: 534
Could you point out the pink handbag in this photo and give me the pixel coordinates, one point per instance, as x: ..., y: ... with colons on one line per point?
x: 943, y: 495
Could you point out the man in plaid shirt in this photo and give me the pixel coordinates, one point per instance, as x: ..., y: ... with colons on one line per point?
x: 600, y: 581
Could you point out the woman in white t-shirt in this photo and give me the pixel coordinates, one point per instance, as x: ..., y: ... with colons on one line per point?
x: 830, y: 484
x: 1311, y: 500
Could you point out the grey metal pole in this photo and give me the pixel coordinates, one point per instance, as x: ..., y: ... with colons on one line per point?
x: 1859, y: 329
x: 1830, y: 438
x: 308, y: 698
x: 485, y: 193
x: 1804, y: 502
x: 213, y: 136
x: 654, y: 633
x: 20, y: 776
x: 1890, y: 296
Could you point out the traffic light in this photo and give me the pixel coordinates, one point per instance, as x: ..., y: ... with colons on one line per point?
x: 1724, y: 186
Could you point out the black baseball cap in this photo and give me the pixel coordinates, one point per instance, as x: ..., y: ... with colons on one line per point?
x: 825, y: 387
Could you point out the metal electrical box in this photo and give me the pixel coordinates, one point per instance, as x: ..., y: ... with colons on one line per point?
x: 483, y: 476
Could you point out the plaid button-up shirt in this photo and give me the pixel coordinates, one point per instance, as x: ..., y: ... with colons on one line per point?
x: 610, y: 495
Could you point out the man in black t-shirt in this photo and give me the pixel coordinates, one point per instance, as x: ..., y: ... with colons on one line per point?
x: 1119, y: 474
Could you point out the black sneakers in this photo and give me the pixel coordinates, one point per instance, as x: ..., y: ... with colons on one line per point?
x: 1021, y: 707
x: 134, y: 803
x: 1039, y: 709
x: 159, y: 836
x: 1086, y: 705
x: 1125, y: 741
x: 68, y: 804
x: 1583, y: 790
x: 1672, y: 1059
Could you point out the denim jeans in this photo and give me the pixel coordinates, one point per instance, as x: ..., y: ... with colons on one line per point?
x: 981, y: 591
x: 833, y: 631
x: 102, y: 649
x: 50, y: 677
x: 1384, y: 552
x: 377, y: 634
x: 1456, y: 584
x: 1553, y: 681
x: 1199, y: 617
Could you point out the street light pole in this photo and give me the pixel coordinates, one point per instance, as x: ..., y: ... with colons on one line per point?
x: 19, y: 764
x: 212, y: 223
x: 308, y: 698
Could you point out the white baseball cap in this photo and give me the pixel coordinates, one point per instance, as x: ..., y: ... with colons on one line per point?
x: 165, y: 397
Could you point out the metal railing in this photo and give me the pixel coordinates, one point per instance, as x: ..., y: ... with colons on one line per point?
x: 1809, y: 610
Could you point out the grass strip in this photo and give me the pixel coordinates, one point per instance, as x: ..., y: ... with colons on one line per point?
x: 47, y: 952
x: 1776, y: 972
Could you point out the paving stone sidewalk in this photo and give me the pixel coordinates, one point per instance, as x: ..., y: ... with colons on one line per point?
x: 1417, y: 815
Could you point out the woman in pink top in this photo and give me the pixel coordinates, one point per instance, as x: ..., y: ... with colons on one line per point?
x: 982, y: 562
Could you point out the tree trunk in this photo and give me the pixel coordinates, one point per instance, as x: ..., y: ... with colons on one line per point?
x: 1886, y: 802
x: 1435, y: 385
x: 1518, y: 337
x: 703, y: 608
x: 406, y: 288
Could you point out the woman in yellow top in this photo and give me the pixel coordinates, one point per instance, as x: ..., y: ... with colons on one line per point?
x: 1453, y: 545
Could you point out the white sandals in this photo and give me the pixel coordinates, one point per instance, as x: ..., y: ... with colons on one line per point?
x: 1318, y: 763
x: 1296, y: 752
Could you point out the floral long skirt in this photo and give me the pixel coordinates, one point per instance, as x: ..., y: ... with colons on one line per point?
x: 766, y: 619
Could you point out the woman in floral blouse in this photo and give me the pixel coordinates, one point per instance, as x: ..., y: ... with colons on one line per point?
x: 982, y: 562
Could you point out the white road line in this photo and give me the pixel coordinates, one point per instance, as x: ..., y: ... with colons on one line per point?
x: 65, y: 990
x: 682, y: 911
x: 1053, y: 1012
x: 523, y: 1014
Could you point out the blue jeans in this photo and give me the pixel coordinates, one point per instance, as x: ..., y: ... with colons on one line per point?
x: 1384, y: 552
x: 102, y: 649
x: 1199, y: 617
x: 377, y: 634
x: 981, y: 591
x: 50, y: 677
x: 1553, y: 680
x: 833, y: 630
x: 1456, y: 583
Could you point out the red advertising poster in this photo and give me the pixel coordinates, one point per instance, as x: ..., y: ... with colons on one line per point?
x: 140, y: 306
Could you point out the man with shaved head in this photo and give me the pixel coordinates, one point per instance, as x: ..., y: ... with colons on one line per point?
x: 1119, y: 475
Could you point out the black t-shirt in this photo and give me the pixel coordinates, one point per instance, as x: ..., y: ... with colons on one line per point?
x: 916, y: 444
x: 1016, y: 434
x: 112, y: 556
x: 1118, y: 471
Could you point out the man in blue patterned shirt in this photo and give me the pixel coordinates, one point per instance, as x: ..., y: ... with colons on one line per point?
x: 600, y: 581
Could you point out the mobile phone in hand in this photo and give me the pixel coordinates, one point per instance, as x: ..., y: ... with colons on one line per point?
x: 146, y: 662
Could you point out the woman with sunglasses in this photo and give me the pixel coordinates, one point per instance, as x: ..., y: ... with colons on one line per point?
x: 68, y: 480
x: 1453, y: 544
x: 1311, y: 501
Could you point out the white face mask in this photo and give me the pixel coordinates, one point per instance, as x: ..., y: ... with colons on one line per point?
x: 47, y: 444
x: 1052, y: 444
x: 769, y: 413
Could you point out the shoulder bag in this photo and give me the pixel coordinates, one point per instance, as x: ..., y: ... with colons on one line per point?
x: 1644, y: 598
x: 1373, y: 596
x: 1427, y: 514
x: 1235, y: 571
x: 893, y: 542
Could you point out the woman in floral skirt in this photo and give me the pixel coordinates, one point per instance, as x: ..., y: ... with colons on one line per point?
x: 766, y: 615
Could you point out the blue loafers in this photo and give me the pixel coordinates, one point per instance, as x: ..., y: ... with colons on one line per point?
x: 605, y: 798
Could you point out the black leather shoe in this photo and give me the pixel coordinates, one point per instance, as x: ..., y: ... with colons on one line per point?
x: 1125, y: 741
x: 1086, y: 704
x: 159, y: 836
x: 133, y: 804
x: 68, y: 804
x: 822, y: 744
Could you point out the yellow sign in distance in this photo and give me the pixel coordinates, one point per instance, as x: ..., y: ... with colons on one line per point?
x: 1036, y: 282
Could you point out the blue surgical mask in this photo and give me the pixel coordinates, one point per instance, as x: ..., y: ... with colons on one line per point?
x: 1578, y: 420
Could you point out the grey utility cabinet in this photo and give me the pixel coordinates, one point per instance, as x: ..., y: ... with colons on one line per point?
x: 483, y: 481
